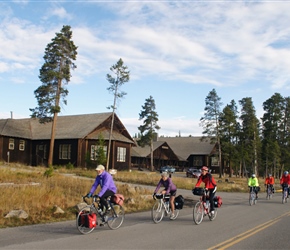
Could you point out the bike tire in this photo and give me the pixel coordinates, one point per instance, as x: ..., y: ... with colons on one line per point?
x: 251, y: 199
x: 198, y: 212
x: 115, y: 217
x: 157, y: 212
x: 80, y: 224
x: 212, y: 216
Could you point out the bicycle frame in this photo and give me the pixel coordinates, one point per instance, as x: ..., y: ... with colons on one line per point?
x: 284, y: 194
x: 113, y: 217
x: 252, y: 196
x: 269, y: 191
x: 201, y: 209
x: 162, y: 207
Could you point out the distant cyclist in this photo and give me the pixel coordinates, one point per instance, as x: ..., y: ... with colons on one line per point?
x: 269, y: 181
x: 253, y: 184
x: 210, y: 185
x: 285, y: 180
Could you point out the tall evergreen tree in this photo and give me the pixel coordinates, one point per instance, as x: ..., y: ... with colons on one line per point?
x: 249, y: 136
x: 272, y: 131
x: 229, y: 133
x: 54, y: 74
x: 121, y: 76
x: 211, y: 122
x: 149, y: 128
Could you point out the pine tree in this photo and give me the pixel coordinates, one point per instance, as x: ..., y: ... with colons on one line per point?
x: 211, y: 122
x: 54, y: 74
x: 122, y: 75
x: 149, y: 128
x: 249, y: 135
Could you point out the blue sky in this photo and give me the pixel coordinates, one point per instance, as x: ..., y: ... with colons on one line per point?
x: 176, y: 51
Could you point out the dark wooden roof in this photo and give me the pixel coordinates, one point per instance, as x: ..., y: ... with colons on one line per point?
x: 186, y: 146
x: 67, y: 127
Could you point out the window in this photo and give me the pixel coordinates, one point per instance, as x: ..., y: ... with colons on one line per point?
x: 214, y: 161
x: 21, y: 145
x: 121, y: 154
x: 11, y: 144
x: 197, y: 161
x: 94, y: 151
x: 64, y: 151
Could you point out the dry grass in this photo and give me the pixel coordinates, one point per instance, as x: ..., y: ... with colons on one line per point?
x: 39, y: 200
x: 65, y: 191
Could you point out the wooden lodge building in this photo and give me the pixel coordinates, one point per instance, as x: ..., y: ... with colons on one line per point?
x: 27, y: 141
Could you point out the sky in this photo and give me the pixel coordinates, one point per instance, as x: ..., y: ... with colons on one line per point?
x: 176, y: 52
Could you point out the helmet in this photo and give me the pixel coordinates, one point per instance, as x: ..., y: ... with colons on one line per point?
x: 269, y: 175
x: 204, y: 168
x: 253, y: 175
x: 286, y: 172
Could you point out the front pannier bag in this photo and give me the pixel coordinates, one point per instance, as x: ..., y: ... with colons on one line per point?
x: 198, y: 191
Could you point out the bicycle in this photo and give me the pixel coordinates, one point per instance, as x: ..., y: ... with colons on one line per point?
x: 284, y: 193
x: 202, y: 207
x: 161, y: 207
x: 114, y: 217
x: 269, y: 192
x: 252, y: 196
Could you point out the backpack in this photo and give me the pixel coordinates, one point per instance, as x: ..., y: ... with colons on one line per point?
x: 178, y: 202
x: 117, y: 199
x: 218, y: 201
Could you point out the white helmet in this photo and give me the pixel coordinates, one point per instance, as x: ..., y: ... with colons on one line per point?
x: 253, y: 175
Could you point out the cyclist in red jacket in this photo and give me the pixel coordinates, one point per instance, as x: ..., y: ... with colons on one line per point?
x: 270, y: 181
x: 210, y: 185
x: 285, y: 180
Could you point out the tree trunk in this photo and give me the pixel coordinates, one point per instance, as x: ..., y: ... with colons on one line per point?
x: 51, y: 147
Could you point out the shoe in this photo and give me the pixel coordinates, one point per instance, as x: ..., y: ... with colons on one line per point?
x: 212, y: 211
x: 172, y: 217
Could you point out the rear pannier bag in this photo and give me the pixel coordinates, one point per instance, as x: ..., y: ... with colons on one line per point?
x: 178, y: 202
x: 118, y: 199
x: 88, y: 220
x: 198, y: 191
x: 217, y: 201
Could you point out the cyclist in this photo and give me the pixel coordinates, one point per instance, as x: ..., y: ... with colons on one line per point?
x: 253, y: 183
x: 108, y: 187
x: 285, y: 180
x: 169, y: 188
x: 210, y: 185
x: 269, y: 181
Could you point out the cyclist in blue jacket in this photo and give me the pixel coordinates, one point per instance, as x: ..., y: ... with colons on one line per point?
x: 108, y: 187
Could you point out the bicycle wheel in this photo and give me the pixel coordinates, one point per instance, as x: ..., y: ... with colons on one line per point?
x: 252, y: 198
x: 198, y: 213
x: 115, y: 217
x: 82, y: 221
x: 212, y: 216
x: 157, y: 212
x: 284, y: 197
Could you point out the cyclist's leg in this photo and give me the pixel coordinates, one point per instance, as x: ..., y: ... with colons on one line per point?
x: 211, y: 201
x: 171, y: 202
x: 103, y: 199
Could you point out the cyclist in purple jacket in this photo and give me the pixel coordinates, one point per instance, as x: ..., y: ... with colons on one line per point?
x: 169, y: 188
x: 108, y: 187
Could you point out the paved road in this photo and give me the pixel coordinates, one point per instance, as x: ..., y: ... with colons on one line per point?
x: 237, y: 226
